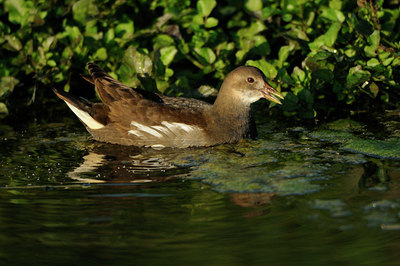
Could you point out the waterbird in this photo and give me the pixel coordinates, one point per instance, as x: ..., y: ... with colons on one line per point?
x: 136, y: 117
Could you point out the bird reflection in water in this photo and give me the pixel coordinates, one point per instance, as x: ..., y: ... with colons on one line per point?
x: 107, y: 163
x: 114, y: 163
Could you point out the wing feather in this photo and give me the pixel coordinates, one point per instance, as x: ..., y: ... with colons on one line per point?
x: 147, y: 118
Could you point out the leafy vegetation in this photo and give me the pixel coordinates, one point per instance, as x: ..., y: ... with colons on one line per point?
x: 325, y: 56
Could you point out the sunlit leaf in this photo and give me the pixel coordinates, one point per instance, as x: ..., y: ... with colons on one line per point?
x: 20, y: 11
x: 167, y: 54
x: 374, y: 41
x: 267, y: 68
x: 110, y: 35
x: 101, y: 54
x: 83, y: 10
x: 163, y: 40
x: 254, y: 5
x: 205, y: 54
x: 373, y: 62
x: 284, y: 52
x: 204, y: 7
x: 211, y: 22
x: 141, y: 62
x: 207, y: 91
x: 298, y: 74
x: 357, y: 76
x: 328, y: 39
x: 333, y: 14
x: 7, y: 85
x: 14, y: 42
x: 387, y: 61
x: 125, y: 28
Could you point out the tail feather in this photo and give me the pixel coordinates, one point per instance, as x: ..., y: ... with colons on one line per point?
x: 88, y: 78
x: 82, y: 109
x: 108, y: 88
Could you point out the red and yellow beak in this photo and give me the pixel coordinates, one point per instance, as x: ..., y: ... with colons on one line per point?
x: 271, y: 94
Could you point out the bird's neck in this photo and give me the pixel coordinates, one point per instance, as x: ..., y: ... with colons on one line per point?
x: 230, y: 117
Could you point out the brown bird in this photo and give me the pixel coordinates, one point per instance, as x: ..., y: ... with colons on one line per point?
x: 128, y: 116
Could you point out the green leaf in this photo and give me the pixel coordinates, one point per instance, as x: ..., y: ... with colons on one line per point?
x: 357, y: 76
x: 7, y: 84
x: 48, y: 43
x: 373, y: 62
x: 83, y: 10
x: 141, y: 62
x: 374, y: 89
x: 374, y: 40
x: 125, y: 28
x: 287, y: 17
x: 51, y: 63
x: 205, y: 54
x: 335, y: 4
x: 383, y: 55
x: 298, y: 74
x: 14, y: 42
x: 198, y: 20
x: 240, y: 55
x: 299, y: 34
x: 254, y: 5
x: 20, y: 11
x: 211, y: 22
x: 333, y: 14
x: 267, y: 68
x: 127, y: 74
x: 350, y: 52
x: 110, y: 35
x: 101, y: 54
x: 162, y: 85
x: 387, y: 61
x: 327, y: 39
x: 261, y: 46
x: 207, y: 91
x: 3, y: 110
x: 168, y: 54
x: 284, y: 52
x: 269, y: 11
x: 396, y: 61
x: 162, y: 40
x: 204, y: 7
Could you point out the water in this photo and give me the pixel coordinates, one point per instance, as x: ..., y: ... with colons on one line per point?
x: 296, y: 196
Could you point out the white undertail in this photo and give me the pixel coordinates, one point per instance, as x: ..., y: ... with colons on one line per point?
x: 85, y: 117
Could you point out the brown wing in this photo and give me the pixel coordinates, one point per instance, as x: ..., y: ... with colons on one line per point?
x: 149, y: 119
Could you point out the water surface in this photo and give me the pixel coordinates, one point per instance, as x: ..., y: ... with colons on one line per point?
x: 296, y: 196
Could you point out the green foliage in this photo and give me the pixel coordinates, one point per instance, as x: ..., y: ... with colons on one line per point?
x: 323, y: 55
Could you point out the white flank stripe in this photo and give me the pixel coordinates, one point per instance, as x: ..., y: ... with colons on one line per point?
x: 162, y: 129
x: 178, y: 126
x: 146, y: 129
x: 135, y: 132
x: 85, y: 118
x: 170, y: 134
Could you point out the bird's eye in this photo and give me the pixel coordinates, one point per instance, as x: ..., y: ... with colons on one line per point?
x: 250, y: 80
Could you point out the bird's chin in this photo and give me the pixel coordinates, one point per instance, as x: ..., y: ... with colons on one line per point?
x: 271, y: 94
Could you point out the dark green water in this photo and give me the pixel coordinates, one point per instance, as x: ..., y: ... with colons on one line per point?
x: 296, y: 196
